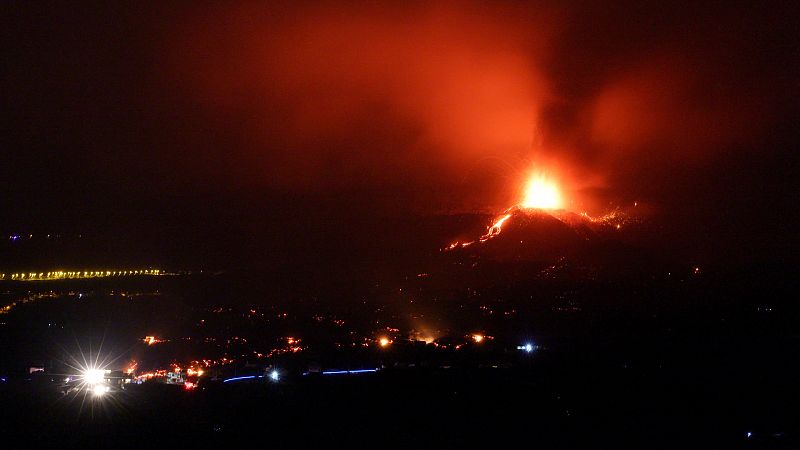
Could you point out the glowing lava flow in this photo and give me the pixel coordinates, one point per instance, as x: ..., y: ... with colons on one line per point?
x: 495, y: 229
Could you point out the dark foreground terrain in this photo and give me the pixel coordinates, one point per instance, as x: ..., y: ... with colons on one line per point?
x: 728, y: 393
x: 681, y: 362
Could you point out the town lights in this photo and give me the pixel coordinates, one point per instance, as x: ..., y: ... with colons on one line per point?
x: 478, y: 338
x: 384, y: 342
x: 274, y: 375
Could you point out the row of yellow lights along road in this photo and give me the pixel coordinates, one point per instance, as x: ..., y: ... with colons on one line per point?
x: 60, y: 274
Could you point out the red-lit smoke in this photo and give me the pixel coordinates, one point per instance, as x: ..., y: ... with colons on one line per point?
x: 470, y: 98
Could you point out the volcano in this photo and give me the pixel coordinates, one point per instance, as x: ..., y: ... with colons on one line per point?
x: 539, y: 234
x: 549, y: 238
x: 534, y: 234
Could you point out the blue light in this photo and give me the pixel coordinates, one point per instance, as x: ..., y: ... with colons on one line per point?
x: 274, y: 375
x: 342, y: 372
x: 528, y: 348
x: 248, y: 377
x: 749, y: 434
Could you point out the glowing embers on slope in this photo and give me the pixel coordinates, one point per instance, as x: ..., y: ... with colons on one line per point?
x: 543, y: 196
x: 614, y: 219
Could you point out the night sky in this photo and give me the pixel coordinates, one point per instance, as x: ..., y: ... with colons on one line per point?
x: 308, y: 119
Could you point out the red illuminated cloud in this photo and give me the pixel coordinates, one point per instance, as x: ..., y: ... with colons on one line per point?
x: 416, y: 90
x: 668, y: 105
x: 468, y: 98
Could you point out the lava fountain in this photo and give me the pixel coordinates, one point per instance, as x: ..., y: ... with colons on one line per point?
x: 542, y: 193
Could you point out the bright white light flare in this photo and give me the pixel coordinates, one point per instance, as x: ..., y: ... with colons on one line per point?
x: 100, y: 390
x: 93, y: 376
